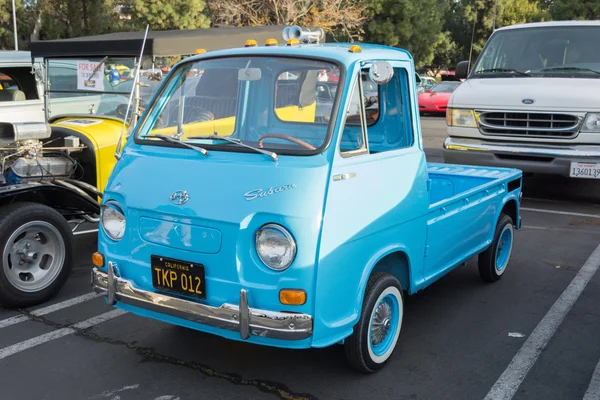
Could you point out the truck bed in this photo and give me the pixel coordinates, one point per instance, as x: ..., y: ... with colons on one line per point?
x: 465, y: 203
x: 452, y: 184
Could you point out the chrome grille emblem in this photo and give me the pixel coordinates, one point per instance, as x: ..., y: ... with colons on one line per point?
x: 180, y: 197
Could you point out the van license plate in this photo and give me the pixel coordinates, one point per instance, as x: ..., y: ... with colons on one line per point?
x: 178, y: 276
x: 585, y: 170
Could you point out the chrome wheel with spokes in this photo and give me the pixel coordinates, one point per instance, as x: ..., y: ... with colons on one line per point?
x: 376, y: 334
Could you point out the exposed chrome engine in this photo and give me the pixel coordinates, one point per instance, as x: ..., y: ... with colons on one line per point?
x: 26, y: 157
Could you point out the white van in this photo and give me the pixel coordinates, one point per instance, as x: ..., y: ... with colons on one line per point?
x: 531, y: 101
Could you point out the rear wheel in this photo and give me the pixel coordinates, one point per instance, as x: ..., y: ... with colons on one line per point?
x: 376, y: 334
x: 493, y: 261
x: 37, y: 253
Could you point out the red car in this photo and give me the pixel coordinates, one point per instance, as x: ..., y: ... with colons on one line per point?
x: 435, y: 100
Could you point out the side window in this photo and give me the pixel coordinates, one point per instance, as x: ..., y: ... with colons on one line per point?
x: 7, y: 83
x: 353, y: 135
x: 384, y: 113
x: 393, y: 130
x: 10, y: 90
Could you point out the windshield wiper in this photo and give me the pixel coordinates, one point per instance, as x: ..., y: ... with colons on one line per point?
x: 503, y: 70
x: 177, y: 141
x: 570, y: 69
x: 238, y: 142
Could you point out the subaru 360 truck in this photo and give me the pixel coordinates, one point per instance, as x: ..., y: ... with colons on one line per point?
x: 239, y: 209
x: 531, y: 101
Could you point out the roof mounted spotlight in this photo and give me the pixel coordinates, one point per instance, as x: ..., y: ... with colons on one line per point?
x: 303, y: 35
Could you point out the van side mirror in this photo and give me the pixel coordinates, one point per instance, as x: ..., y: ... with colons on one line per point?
x: 462, y: 70
x: 381, y: 72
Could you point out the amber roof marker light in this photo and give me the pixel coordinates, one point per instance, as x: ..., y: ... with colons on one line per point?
x: 250, y: 43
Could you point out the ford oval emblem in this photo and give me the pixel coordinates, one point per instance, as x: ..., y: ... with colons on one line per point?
x: 528, y: 101
x: 180, y: 197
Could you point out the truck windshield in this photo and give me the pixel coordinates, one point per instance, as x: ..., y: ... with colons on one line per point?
x: 281, y: 104
x: 560, y: 51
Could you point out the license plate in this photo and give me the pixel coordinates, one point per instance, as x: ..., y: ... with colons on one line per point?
x: 585, y: 170
x: 176, y: 276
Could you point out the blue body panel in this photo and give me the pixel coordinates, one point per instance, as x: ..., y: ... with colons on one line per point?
x: 422, y: 219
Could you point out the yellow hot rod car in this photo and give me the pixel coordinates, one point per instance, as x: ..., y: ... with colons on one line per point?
x: 53, y: 173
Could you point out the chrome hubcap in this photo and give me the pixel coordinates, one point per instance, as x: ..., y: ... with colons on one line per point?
x: 33, y: 256
x: 381, y: 323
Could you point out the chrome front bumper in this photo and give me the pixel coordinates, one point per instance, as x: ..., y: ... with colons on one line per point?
x: 233, y: 317
x: 524, y: 149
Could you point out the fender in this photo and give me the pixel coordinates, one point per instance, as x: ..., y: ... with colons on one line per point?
x: 100, y: 134
x: 393, y: 248
x: 62, y: 198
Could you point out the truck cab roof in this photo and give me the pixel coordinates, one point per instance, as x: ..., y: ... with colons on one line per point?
x: 340, y: 52
x: 550, y: 24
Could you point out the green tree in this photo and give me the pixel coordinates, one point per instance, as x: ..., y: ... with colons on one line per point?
x: 414, y: 25
x: 169, y: 14
x: 340, y: 19
x: 574, y: 9
x: 479, y: 15
x: 445, y: 53
x: 25, y: 13
x: 73, y: 18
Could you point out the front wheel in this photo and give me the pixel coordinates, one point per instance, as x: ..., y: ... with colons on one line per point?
x: 37, y: 253
x: 376, y: 334
x: 493, y: 261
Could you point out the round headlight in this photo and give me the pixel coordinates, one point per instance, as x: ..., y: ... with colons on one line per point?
x: 113, y: 220
x: 592, y: 123
x: 275, y: 247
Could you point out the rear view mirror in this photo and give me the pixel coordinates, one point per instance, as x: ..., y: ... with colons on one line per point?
x: 381, y: 72
x: 249, y: 74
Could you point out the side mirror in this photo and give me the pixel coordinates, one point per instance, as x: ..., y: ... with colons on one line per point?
x: 154, y: 75
x: 462, y: 70
x: 381, y: 72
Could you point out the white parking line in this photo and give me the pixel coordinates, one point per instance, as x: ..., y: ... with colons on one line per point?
x: 50, y: 309
x: 510, y: 380
x: 47, y: 337
x: 542, y: 210
x: 593, y: 391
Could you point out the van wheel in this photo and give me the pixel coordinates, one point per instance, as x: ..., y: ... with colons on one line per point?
x: 493, y: 261
x: 37, y: 253
x: 375, y: 335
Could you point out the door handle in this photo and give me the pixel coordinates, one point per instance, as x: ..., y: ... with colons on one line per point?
x: 341, y: 177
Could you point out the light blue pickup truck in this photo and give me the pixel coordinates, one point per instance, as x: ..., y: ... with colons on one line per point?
x: 239, y: 209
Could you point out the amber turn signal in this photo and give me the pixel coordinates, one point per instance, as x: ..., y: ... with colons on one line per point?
x: 292, y: 297
x: 98, y: 259
x: 354, y: 49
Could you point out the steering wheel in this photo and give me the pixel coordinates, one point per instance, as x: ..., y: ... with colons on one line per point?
x: 284, y: 137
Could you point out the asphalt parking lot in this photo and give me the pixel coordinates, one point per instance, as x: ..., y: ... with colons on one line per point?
x: 532, y: 335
